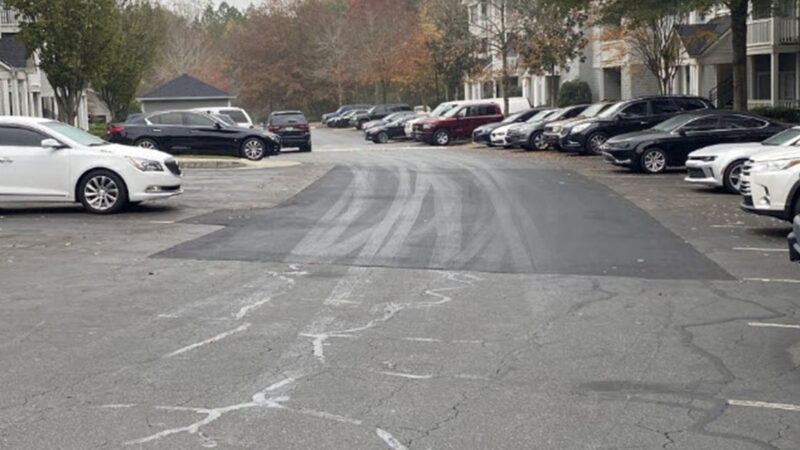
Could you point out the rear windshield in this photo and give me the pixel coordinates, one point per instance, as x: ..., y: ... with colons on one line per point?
x: 235, y: 114
x: 288, y: 119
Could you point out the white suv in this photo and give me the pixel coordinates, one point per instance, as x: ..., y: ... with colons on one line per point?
x: 771, y: 184
x: 238, y: 115
x: 42, y: 160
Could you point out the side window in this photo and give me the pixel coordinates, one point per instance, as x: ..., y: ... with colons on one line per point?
x: 196, y: 120
x: 20, y: 137
x: 635, y: 110
x: 487, y: 110
x: 691, y: 104
x: 173, y: 118
x: 742, y: 122
x: 573, y: 113
x: 703, y: 124
x: 665, y: 107
x: 472, y: 111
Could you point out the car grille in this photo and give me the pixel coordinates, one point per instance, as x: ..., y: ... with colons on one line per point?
x: 173, y: 166
x: 745, y: 186
x: 696, y: 173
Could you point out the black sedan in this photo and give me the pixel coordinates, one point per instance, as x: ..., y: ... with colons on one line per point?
x: 530, y: 135
x: 794, y: 246
x: 343, y: 121
x: 395, y: 129
x: 670, y: 142
x: 194, y: 132
x: 483, y: 134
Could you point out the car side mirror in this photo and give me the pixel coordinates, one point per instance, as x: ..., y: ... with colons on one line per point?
x: 217, y: 125
x: 682, y: 133
x: 52, y: 144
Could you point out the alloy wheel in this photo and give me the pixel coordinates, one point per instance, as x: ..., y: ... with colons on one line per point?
x: 735, y: 177
x: 148, y: 144
x: 101, y: 192
x: 442, y: 138
x: 383, y: 138
x: 253, y: 149
x: 597, y: 141
x: 655, y: 161
x: 540, y: 142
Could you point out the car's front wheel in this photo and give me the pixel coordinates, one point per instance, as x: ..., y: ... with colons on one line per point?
x: 441, y: 137
x: 595, y: 142
x: 538, y: 141
x: 102, y: 192
x: 382, y: 138
x: 653, y: 161
x: 732, y: 179
x: 253, y: 149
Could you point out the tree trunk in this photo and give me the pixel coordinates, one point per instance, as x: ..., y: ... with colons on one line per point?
x: 504, y: 82
x: 383, y: 89
x: 738, y: 10
x: 68, y: 103
x: 340, y: 91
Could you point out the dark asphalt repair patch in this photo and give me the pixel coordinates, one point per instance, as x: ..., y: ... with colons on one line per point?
x: 502, y: 221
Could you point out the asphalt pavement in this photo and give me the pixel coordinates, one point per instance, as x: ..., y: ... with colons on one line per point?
x: 401, y: 296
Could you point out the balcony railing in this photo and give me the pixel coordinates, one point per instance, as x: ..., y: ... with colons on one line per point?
x: 8, y: 17
x: 779, y: 30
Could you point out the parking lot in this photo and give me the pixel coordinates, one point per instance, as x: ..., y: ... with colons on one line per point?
x: 402, y: 296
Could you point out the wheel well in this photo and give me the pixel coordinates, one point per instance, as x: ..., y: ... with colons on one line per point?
x: 97, y: 169
x: 728, y: 166
x: 794, y: 195
x: 267, y: 143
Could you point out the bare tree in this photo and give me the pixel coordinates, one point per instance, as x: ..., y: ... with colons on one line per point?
x: 499, y: 24
x: 652, y: 41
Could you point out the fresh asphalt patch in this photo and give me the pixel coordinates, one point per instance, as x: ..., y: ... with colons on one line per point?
x: 500, y: 220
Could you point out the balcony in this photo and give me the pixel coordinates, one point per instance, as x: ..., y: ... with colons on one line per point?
x: 773, y: 31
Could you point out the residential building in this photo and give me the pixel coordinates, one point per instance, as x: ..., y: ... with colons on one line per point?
x: 184, y: 92
x: 24, y: 89
x: 705, y: 68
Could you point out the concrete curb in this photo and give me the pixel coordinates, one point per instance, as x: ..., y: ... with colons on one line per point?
x: 225, y: 163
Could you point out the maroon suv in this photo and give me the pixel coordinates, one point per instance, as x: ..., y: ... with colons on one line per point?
x: 457, y: 123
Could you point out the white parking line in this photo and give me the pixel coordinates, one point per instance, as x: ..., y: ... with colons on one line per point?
x: 774, y: 325
x: 756, y: 249
x: 767, y: 405
x: 772, y: 280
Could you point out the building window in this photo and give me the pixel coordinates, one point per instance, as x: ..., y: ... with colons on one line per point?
x: 761, y: 10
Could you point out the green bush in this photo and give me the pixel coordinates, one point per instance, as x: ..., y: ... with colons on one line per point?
x: 98, y: 129
x: 778, y: 113
x: 574, y: 93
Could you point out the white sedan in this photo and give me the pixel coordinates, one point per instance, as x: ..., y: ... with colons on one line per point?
x: 499, y: 134
x: 721, y: 165
x: 42, y: 160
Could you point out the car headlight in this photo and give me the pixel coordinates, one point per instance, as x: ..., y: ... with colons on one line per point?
x: 145, y: 165
x: 427, y: 126
x: 771, y: 166
x: 704, y: 158
x: 580, y: 127
x: 555, y: 130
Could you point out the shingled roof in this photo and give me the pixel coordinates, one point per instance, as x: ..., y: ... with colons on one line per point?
x: 698, y: 38
x: 185, y: 87
x: 12, y: 52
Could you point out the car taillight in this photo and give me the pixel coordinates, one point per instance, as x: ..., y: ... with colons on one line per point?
x: 302, y: 127
x: 115, y: 130
x: 274, y: 128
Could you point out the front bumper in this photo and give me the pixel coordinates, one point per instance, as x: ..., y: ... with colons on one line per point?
x: 144, y: 186
x: 500, y: 140
x: 747, y: 205
x: 620, y: 157
x: 481, y: 137
x: 553, y: 140
x: 572, y: 143
x: 701, y: 173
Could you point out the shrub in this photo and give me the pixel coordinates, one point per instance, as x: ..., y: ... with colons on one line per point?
x: 98, y: 129
x: 778, y: 113
x: 574, y: 93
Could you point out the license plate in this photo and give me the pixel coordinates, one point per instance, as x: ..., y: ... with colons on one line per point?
x: 290, y: 129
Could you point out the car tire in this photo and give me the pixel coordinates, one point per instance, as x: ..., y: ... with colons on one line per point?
x: 147, y: 143
x: 537, y: 141
x: 253, y: 149
x: 594, y: 142
x: 102, y: 192
x: 305, y: 148
x: 653, y: 161
x: 732, y: 177
x: 441, y: 137
x: 382, y: 138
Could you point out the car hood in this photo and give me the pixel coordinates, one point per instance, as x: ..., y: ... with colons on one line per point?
x: 779, y: 153
x: 718, y: 149
x: 527, y: 127
x: 639, y: 136
x: 132, y: 152
x: 504, y: 128
x: 425, y: 120
x: 565, y: 122
x: 489, y: 127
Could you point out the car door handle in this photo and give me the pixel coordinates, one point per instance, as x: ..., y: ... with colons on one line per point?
x: 156, y: 130
x: 6, y: 161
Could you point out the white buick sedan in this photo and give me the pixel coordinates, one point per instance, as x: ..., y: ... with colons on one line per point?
x: 721, y: 165
x: 42, y: 160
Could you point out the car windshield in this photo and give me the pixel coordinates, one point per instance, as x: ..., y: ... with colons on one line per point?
x: 593, y: 110
x: 75, y: 134
x: 785, y: 137
x: 392, y: 117
x: 512, y: 118
x: 541, y: 115
x: 235, y: 114
x: 225, y: 119
x: 288, y: 119
x: 451, y: 112
x: 674, y: 123
x: 613, y: 109
x: 441, y: 109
